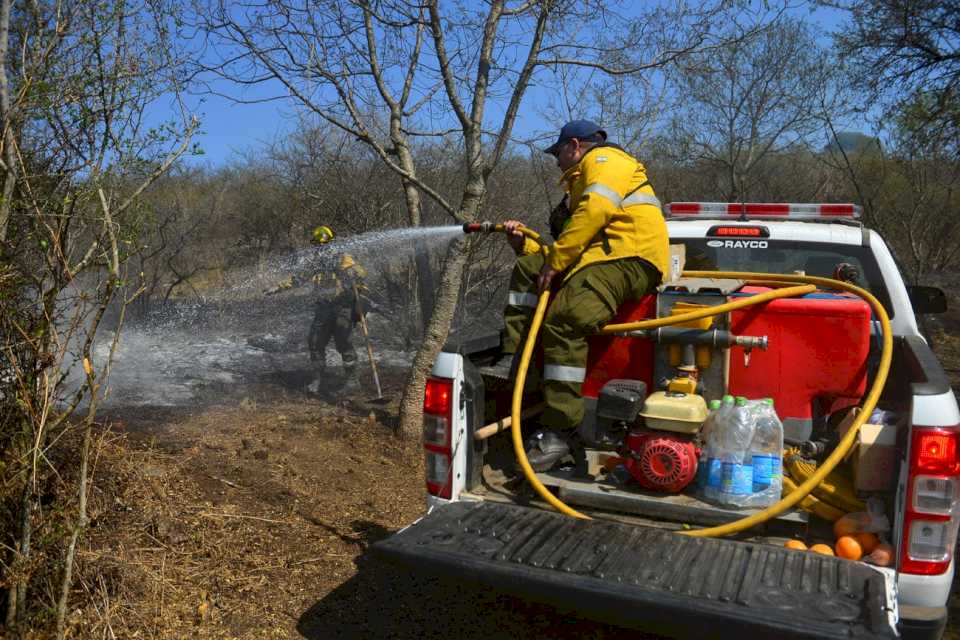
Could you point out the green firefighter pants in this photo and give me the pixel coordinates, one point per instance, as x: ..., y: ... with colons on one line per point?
x: 585, y: 302
x: 333, y: 318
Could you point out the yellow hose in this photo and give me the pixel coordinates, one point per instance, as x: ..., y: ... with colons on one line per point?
x: 848, y: 440
x: 515, y: 432
x: 808, y: 284
x: 786, y: 292
x: 517, y: 400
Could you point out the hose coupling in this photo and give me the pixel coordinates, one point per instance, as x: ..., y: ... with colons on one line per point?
x: 813, y: 449
x: 750, y: 342
x: 479, y: 227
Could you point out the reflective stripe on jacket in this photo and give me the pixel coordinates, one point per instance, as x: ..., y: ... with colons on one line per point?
x: 340, y: 281
x: 604, y: 224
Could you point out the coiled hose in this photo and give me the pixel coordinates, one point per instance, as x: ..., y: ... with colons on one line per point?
x: 802, y: 285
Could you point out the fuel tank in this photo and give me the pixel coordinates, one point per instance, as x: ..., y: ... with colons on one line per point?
x: 816, y: 361
x: 612, y: 357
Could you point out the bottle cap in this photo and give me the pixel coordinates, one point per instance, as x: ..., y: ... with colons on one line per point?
x: 714, y: 405
x: 768, y: 402
x: 728, y: 399
x: 741, y: 401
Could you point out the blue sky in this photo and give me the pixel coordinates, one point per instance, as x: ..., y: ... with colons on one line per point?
x: 231, y: 130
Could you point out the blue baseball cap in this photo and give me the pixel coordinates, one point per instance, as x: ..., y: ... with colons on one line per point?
x: 579, y: 129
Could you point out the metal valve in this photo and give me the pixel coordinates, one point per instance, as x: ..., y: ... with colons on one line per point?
x: 479, y: 227
x: 716, y: 338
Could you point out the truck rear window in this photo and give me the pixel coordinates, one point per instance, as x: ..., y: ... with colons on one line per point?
x: 785, y: 256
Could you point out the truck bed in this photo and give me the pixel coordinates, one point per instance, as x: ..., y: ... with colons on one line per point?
x: 649, y: 578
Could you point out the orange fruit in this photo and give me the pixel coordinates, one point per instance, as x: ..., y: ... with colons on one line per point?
x: 796, y: 544
x: 882, y: 556
x: 822, y: 548
x: 845, y: 526
x: 868, y: 541
x: 848, y: 547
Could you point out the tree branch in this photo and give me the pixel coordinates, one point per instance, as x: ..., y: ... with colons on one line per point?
x: 446, y: 72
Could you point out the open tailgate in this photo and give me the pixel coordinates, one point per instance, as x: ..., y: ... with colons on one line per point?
x: 649, y: 578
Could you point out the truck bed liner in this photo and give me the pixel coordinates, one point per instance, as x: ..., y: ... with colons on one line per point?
x: 648, y: 578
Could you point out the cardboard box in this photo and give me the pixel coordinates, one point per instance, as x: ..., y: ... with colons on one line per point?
x: 875, y: 461
x: 678, y: 257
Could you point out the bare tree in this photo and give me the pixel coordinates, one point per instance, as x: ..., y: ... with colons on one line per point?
x: 907, y: 53
x: 182, y: 231
x: 77, y: 155
x: 924, y: 211
x: 321, y: 168
x: 757, y: 96
x: 908, y: 192
x: 390, y: 71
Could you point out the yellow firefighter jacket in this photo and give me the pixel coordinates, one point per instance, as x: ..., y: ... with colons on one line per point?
x: 339, y: 281
x: 613, y: 214
x: 335, y: 282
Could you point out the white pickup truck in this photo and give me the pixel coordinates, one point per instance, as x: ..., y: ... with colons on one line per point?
x: 627, y: 565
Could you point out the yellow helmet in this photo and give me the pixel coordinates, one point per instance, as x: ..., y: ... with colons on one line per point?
x: 322, y: 235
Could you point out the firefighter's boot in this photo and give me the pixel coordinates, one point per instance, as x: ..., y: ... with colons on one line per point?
x: 320, y: 382
x: 351, y: 381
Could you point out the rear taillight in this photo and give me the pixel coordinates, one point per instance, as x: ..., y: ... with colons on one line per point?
x: 437, y: 418
x: 438, y: 396
x: 933, y: 504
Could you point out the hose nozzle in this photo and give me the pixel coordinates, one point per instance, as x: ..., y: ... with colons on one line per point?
x: 479, y: 227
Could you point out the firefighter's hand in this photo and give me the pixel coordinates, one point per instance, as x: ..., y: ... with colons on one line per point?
x: 514, y: 236
x: 547, y: 274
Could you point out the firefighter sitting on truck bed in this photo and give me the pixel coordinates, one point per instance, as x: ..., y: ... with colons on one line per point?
x: 341, y: 298
x: 611, y: 246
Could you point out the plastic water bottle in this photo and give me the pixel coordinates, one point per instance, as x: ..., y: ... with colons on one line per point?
x: 714, y: 449
x: 766, y: 450
x: 736, y: 468
x: 705, y: 459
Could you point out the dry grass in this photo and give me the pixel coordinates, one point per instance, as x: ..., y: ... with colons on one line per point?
x: 232, y: 522
x: 249, y: 523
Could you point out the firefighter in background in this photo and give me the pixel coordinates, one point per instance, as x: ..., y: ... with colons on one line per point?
x: 341, y: 299
x: 611, y: 246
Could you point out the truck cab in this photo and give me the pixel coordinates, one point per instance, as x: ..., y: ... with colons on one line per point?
x: 815, y: 356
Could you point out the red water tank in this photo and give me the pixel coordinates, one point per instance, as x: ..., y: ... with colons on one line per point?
x: 817, y: 353
x: 611, y: 357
